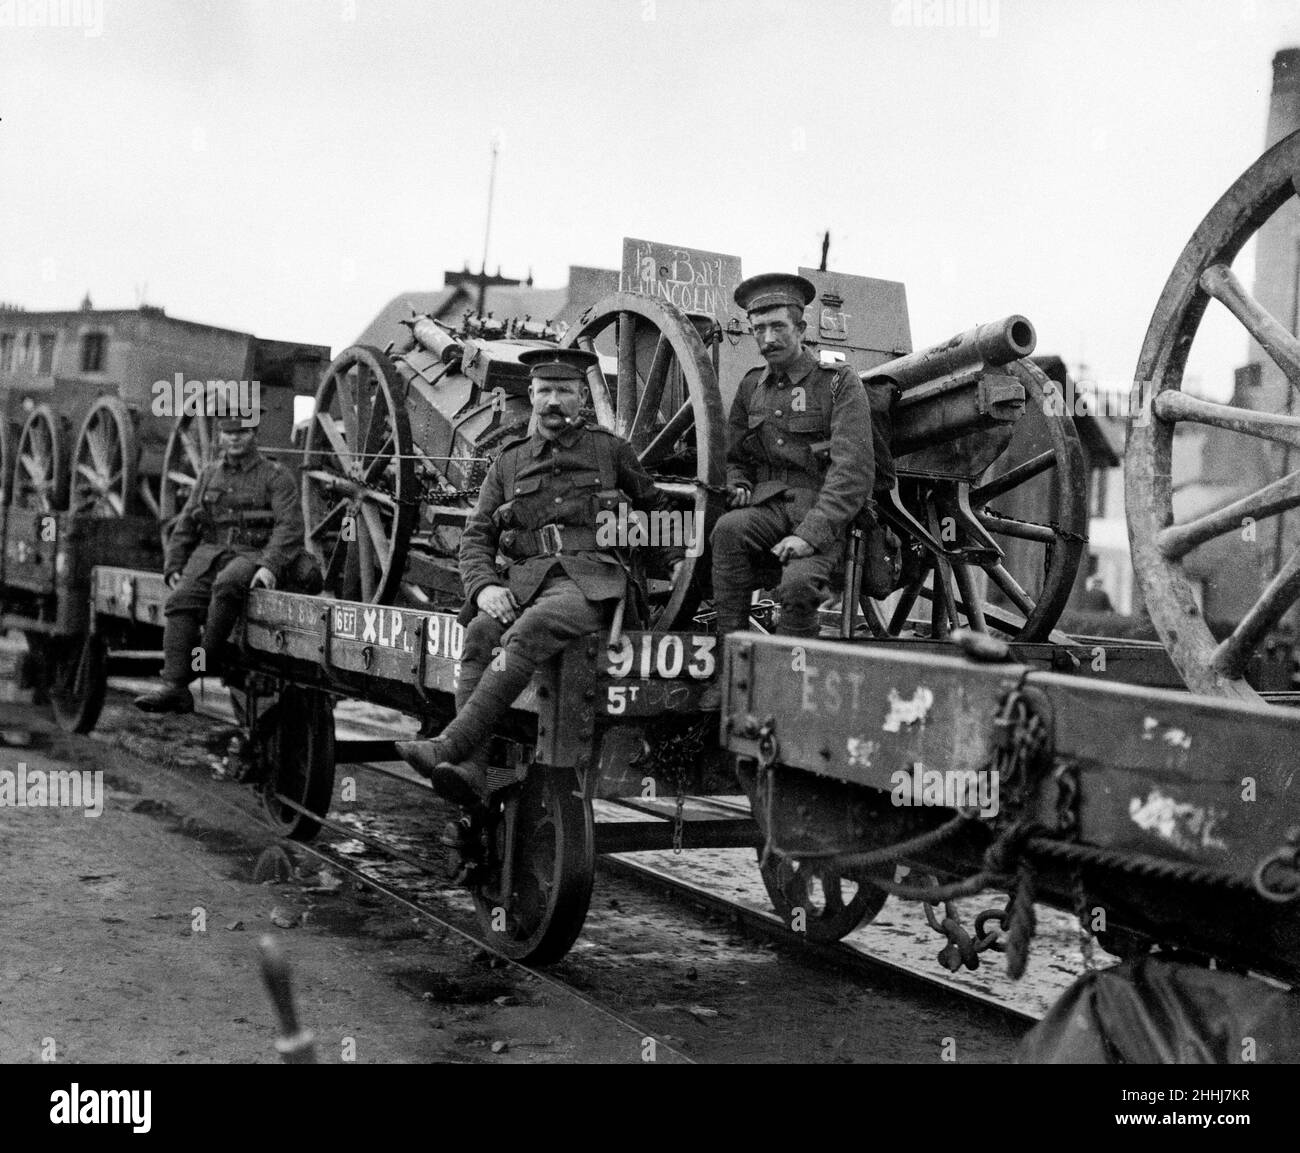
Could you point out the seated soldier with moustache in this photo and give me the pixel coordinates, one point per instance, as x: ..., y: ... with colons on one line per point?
x: 800, y: 464
x: 538, y: 509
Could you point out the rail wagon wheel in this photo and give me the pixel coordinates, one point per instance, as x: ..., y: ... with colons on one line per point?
x: 666, y: 402
x: 191, y: 447
x: 829, y: 904
x: 359, y: 496
x: 104, y: 461
x: 536, y: 913
x: 40, y: 476
x: 73, y: 673
x: 300, y: 755
x: 1162, y: 550
x: 1033, y: 596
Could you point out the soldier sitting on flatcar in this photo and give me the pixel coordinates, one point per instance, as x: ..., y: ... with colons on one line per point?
x: 240, y: 528
x: 800, y: 465
x: 538, y: 509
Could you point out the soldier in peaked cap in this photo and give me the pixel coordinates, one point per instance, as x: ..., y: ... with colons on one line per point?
x: 800, y: 465
x: 240, y: 528
x: 538, y: 510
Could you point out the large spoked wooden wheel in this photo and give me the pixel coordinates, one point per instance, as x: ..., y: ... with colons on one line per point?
x: 666, y: 402
x: 1265, y: 554
x: 40, y: 477
x: 534, y: 891
x: 1011, y: 574
x: 358, y: 483
x: 104, y: 461
x: 191, y: 447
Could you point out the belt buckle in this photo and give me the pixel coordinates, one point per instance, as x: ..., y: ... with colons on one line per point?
x: 552, y: 539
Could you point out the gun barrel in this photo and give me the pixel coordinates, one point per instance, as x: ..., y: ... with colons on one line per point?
x: 998, y: 342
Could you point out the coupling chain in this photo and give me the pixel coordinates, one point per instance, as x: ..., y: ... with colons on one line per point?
x: 671, y: 750
x: 962, y: 948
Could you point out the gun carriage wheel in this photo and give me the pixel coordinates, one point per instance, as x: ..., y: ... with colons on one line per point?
x: 40, y: 476
x: 1164, y: 550
x: 191, y: 447
x: 104, y: 459
x: 1031, y: 599
x: 295, y: 740
x: 358, y: 481
x: 667, y: 404
x: 533, y: 890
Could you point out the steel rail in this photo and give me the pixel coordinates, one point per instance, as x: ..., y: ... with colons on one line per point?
x: 765, y: 925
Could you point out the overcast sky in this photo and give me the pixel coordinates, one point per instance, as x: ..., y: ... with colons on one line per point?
x: 287, y: 166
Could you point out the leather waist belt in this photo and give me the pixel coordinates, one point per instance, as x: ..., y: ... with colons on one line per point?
x: 254, y: 536
x: 549, y: 540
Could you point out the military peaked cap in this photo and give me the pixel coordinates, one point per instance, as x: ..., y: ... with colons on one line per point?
x: 235, y: 423
x: 771, y: 289
x: 561, y: 363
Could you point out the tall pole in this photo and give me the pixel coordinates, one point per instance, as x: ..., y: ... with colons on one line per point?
x: 487, y: 230
x: 1278, y: 540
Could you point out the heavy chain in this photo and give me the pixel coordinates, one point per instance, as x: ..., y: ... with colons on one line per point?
x: 672, y: 749
x: 1066, y: 776
x: 962, y: 948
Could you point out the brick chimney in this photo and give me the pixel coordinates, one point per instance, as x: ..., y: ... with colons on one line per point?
x: 1277, y: 246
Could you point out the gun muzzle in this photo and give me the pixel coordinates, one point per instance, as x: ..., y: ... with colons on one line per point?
x: 988, y: 345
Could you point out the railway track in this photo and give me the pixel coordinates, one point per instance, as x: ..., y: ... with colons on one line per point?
x: 897, y: 946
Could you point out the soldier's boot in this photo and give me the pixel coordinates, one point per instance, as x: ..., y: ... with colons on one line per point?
x: 180, y: 636
x: 799, y: 604
x: 733, y: 612
x: 453, y: 761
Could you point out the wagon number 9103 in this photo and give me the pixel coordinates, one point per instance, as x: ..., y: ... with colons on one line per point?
x: 663, y: 655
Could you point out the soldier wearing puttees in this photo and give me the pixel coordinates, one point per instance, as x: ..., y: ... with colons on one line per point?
x: 800, y: 465
x: 240, y: 527
x: 538, y: 509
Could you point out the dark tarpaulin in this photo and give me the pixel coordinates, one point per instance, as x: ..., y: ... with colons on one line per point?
x: 1153, y: 1012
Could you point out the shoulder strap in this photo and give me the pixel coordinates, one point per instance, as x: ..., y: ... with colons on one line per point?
x: 605, y: 462
x: 506, y: 463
